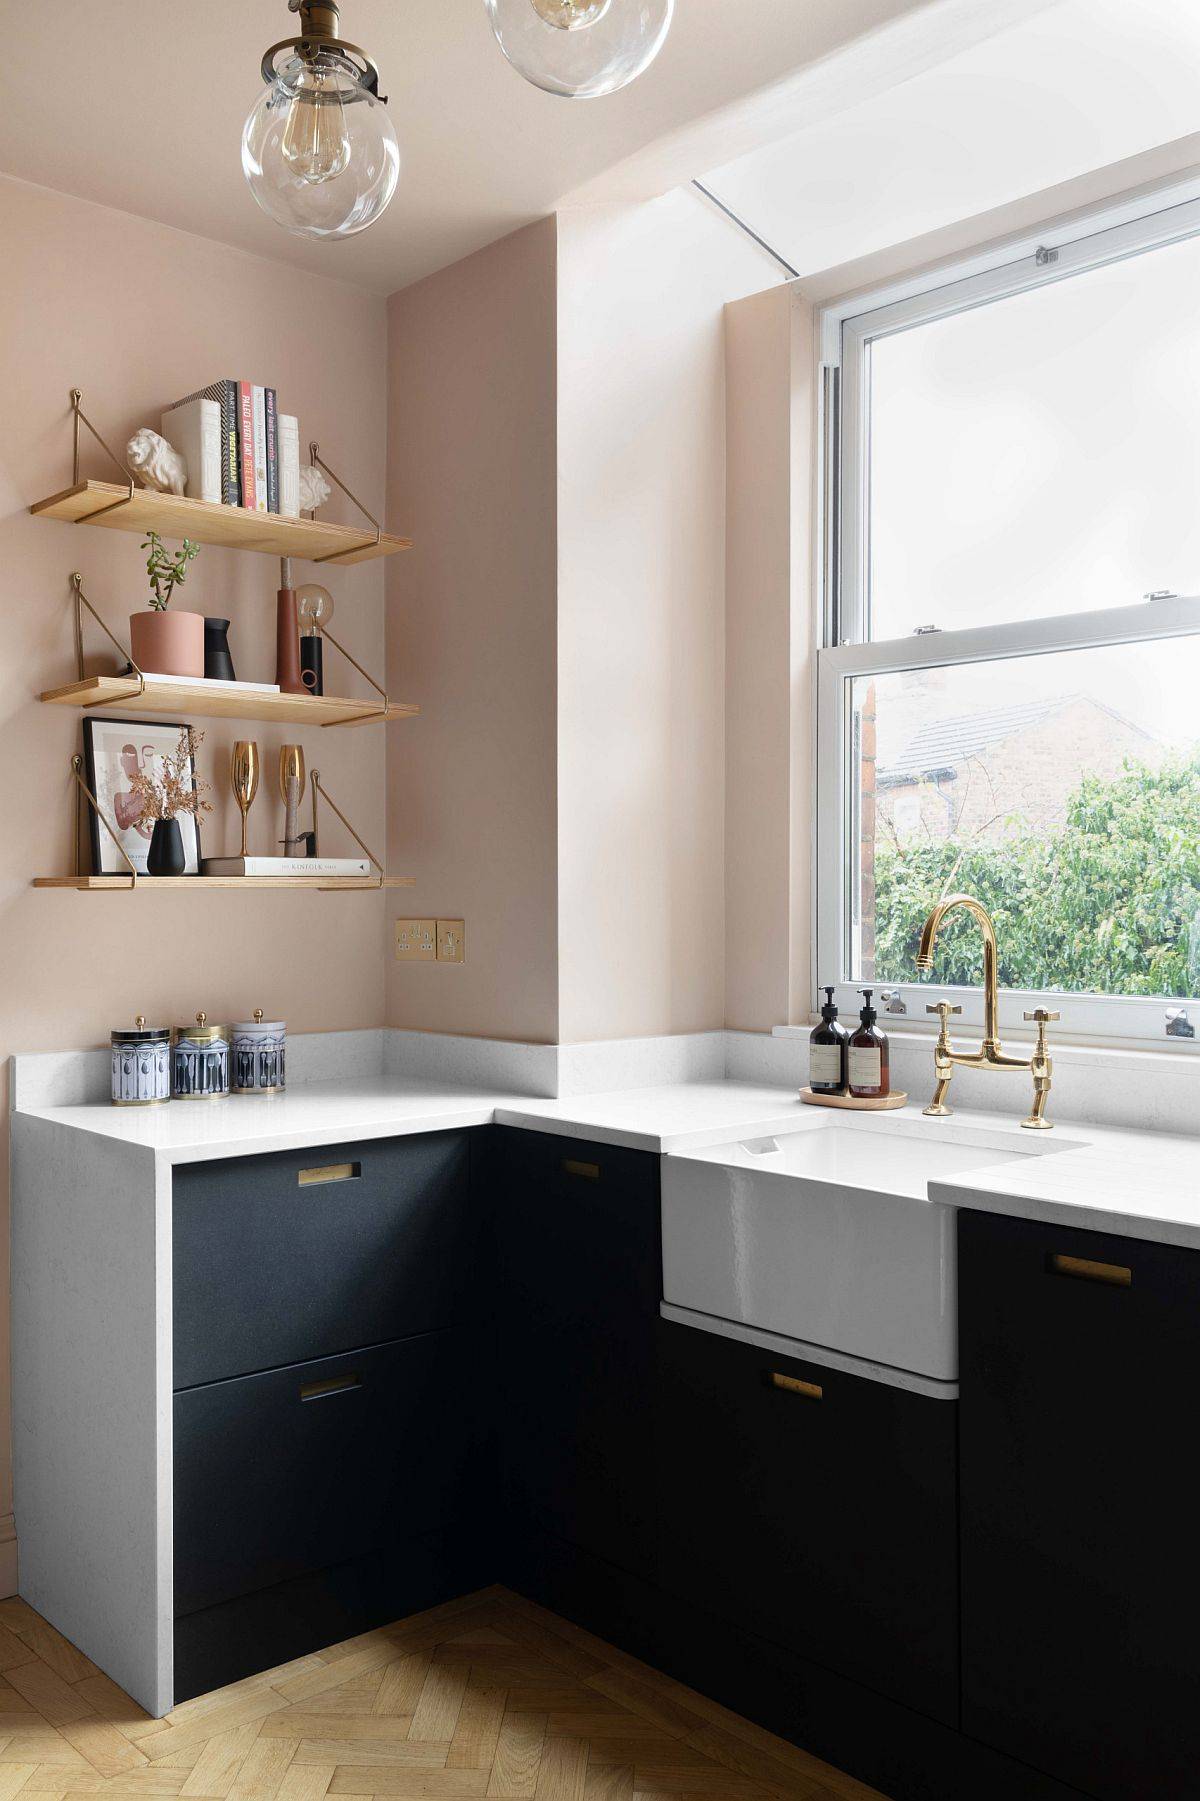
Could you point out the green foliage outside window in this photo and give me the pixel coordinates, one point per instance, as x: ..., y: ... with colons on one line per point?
x: 1110, y: 904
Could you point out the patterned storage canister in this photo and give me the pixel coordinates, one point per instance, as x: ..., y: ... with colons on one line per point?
x: 259, y: 1055
x: 141, y: 1065
x: 200, y: 1062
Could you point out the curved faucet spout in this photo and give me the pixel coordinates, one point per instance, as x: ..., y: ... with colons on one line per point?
x: 987, y: 928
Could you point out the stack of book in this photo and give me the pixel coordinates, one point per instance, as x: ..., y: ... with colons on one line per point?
x: 240, y: 450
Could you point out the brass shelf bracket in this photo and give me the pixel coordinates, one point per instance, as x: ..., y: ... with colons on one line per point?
x: 79, y: 416
x: 317, y: 461
x: 81, y: 601
x: 318, y: 788
x: 97, y: 809
x: 361, y: 718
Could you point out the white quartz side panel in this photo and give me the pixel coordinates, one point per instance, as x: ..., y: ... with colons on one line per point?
x: 91, y: 1351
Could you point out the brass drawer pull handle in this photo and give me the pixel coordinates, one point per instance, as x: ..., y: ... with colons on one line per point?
x: 330, y: 1172
x: 332, y: 1385
x: 1085, y: 1269
x: 589, y: 1171
x: 812, y: 1391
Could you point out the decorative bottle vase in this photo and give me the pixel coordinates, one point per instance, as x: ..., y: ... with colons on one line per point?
x: 287, y: 644
x: 167, y: 643
x: 218, y: 664
x: 165, y: 855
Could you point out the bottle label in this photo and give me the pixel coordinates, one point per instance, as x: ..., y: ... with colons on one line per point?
x: 825, y: 1065
x: 866, y: 1066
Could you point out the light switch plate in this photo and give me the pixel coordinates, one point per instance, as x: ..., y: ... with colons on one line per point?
x: 416, y: 940
x: 451, y: 941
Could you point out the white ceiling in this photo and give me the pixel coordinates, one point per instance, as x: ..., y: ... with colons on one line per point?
x: 1077, y: 86
x: 140, y: 106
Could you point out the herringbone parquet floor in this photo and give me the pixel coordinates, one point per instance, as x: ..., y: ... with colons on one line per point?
x: 489, y: 1696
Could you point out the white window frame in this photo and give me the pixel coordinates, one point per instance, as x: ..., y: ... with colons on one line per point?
x: 847, y: 331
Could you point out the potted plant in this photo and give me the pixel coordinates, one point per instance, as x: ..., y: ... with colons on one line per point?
x: 163, y: 795
x: 166, y: 643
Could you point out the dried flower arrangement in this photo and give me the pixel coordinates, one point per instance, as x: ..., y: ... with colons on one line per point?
x: 166, y: 572
x: 177, y: 789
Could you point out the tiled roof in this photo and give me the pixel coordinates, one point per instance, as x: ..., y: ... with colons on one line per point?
x: 945, y: 744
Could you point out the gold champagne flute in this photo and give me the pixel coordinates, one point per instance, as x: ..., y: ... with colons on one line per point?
x: 291, y: 792
x: 243, y: 779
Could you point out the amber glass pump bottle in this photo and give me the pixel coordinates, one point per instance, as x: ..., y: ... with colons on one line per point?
x: 827, y: 1051
x: 868, y: 1058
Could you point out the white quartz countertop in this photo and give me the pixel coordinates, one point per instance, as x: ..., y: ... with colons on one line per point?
x: 1129, y: 1183
x: 316, y: 1113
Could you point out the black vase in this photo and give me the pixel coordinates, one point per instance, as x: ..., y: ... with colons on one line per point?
x: 218, y: 664
x: 165, y: 856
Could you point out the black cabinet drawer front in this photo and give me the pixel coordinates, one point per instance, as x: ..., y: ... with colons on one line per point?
x: 315, y: 1464
x: 579, y: 1229
x: 1078, y: 1359
x: 301, y: 1254
x: 815, y: 1508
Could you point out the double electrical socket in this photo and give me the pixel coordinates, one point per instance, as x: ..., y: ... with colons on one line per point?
x: 430, y: 941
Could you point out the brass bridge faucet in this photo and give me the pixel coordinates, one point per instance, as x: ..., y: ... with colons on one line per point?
x: 990, y: 1054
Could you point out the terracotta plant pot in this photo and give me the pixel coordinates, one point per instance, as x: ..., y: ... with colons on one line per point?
x: 167, y: 643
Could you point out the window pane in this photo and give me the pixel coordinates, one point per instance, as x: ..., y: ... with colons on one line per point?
x: 1040, y: 454
x: 1063, y: 791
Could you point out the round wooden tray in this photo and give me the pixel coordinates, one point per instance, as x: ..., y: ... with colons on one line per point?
x: 851, y: 1103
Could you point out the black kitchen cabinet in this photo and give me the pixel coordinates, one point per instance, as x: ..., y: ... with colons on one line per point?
x: 579, y: 1273
x: 333, y: 1404
x: 815, y: 1509
x: 1080, y: 1354
x: 300, y: 1254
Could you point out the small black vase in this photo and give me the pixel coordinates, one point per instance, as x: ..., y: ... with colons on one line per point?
x: 165, y: 856
x: 218, y: 664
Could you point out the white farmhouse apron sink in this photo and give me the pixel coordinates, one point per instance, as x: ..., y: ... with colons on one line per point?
x: 826, y: 1234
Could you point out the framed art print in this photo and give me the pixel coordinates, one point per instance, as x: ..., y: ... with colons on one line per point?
x: 115, y: 750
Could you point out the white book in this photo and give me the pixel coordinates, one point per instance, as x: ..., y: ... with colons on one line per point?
x: 277, y: 866
x: 289, y: 465
x: 209, y: 681
x: 194, y: 428
x: 259, y: 400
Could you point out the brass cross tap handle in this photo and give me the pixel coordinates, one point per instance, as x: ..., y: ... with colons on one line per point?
x: 945, y: 1009
x: 1042, y: 1017
x: 1042, y: 1069
x: 943, y: 1059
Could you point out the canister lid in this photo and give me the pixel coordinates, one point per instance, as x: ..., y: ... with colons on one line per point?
x: 201, y: 1032
x: 140, y: 1033
x: 259, y: 1024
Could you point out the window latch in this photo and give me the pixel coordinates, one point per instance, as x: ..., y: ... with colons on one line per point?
x: 1178, y: 1023
x: 893, y: 1000
x: 1044, y: 255
x: 1161, y: 594
x: 925, y: 631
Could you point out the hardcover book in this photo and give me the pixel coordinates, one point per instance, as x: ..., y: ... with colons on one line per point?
x: 246, y: 443
x: 194, y: 428
x: 225, y: 393
x: 260, y: 448
x: 289, y: 465
x: 277, y: 866
x: 272, y: 452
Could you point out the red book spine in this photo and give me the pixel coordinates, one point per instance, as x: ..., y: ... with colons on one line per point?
x: 246, y: 419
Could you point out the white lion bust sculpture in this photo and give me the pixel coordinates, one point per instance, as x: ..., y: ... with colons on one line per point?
x: 157, y: 462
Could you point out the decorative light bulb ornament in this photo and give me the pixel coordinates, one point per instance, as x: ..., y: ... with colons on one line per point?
x: 580, y: 48
x: 319, y: 149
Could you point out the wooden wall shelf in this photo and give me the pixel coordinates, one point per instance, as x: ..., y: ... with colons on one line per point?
x: 89, y: 884
x: 124, y: 691
x: 237, y: 528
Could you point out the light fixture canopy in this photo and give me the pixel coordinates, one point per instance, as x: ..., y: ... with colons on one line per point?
x: 319, y: 149
x: 580, y: 48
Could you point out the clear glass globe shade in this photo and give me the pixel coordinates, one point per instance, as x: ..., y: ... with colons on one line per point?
x: 314, y: 604
x: 319, y: 151
x: 554, y: 47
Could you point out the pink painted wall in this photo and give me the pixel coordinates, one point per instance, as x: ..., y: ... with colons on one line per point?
x: 769, y: 638
x: 136, y: 315
x: 641, y: 612
x: 472, y: 638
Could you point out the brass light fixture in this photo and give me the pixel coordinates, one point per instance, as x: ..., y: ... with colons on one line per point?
x: 319, y: 149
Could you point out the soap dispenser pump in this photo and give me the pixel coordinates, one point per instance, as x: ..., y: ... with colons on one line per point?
x: 827, y: 1051
x: 868, y: 1058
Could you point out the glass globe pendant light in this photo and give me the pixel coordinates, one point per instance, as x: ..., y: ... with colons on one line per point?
x: 580, y: 48
x: 319, y: 149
